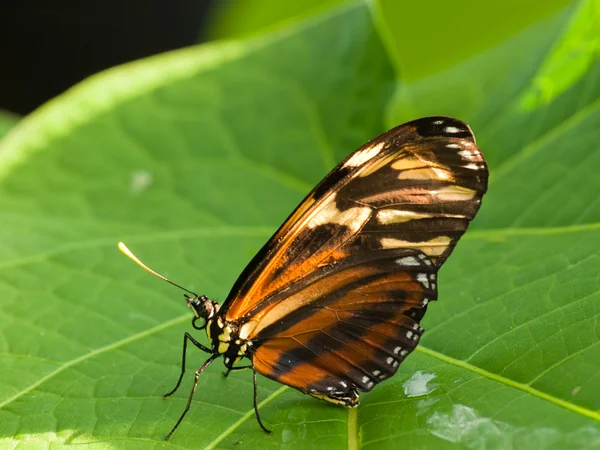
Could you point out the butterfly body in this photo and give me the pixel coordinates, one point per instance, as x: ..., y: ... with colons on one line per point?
x: 332, y: 303
x: 225, y: 339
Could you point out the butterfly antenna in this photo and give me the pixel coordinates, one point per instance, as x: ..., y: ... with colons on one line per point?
x: 135, y: 259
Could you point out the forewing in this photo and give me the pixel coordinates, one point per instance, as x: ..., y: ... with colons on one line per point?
x: 416, y: 187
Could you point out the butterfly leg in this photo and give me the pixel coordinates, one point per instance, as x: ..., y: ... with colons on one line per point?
x: 226, y: 373
x: 189, y: 402
x: 186, y: 337
x: 256, y: 404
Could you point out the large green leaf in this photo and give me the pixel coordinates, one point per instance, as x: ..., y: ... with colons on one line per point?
x: 7, y: 121
x: 195, y: 157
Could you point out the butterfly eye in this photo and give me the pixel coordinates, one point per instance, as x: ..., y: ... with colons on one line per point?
x: 202, y: 324
x: 203, y: 308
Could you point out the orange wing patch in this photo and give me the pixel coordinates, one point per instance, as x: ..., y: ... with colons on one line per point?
x: 366, y: 335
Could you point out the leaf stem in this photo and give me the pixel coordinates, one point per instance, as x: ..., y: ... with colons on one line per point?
x: 353, y: 438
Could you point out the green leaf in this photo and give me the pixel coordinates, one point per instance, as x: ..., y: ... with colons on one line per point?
x: 450, y: 32
x: 240, y: 18
x: 195, y: 157
x: 7, y: 121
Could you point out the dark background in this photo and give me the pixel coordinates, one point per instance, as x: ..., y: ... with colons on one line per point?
x: 46, y: 46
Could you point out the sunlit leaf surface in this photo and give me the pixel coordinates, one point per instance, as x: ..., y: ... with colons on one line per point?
x: 195, y: 157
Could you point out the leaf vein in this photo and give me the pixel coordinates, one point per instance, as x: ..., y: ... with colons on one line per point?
x: 533, y: 147
x: 529, y: 322
x: 243, y: 419
x: 160, y: 236
x: 469, y: 311
x: 91, y: 354
x: 511, y: 383
x: 564, y: 360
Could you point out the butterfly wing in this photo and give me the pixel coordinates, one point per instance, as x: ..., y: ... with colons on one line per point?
x: 345, y: 280
x: 364, y: 323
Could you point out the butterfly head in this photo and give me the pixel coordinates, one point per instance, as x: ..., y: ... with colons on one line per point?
x: 203, y: 308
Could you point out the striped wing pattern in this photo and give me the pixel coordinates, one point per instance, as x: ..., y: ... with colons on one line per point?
x: 332, y: 303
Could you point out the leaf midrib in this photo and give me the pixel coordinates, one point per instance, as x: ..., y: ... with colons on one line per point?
x: 508, y: 382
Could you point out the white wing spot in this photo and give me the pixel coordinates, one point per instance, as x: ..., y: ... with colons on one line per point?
x: 395, y: 364
x: 432, y: 286
x: 453, y: 146
x: 390, y: 360
x: 397, y: 350
x: 422, y: 278
x: 472, y: 166
x: 466, y: 154
x: 452, y: 130
x: 454, y: 193
x: 403, y: 353
x: 343, y: 383
x: 409, y: 334
x: 427, y: 173
x: 438, y: 122
x: 362, y: 156
x: 405, y: 163
x: 353, y: 218
x: 408, y: 261
x: 433, y: 247
x: 388, y: 216
x: 365, y: 379
x: 370, y: 385
x: 376, y: 372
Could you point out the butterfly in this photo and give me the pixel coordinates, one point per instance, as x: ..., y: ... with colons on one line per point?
x: 331, y: 305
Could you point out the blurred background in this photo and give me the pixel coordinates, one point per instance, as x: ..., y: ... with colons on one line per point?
x: 49, y: 46
x: 46, y: 47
